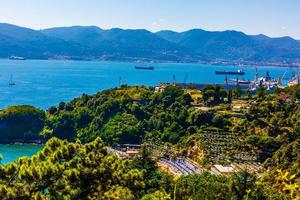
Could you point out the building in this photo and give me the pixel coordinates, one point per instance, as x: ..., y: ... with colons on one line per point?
x: 131, y: 153
x: 161, y: 87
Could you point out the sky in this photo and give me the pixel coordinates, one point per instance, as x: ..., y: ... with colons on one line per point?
x: 271, y: 17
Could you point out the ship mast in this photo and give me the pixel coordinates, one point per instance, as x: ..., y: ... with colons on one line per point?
x: 174, y: 80
x: 297, y: 75
x: 256, y: 74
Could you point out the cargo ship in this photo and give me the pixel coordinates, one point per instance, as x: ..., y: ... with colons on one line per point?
x: 144, y: 67
x: 238, y: 72
x: 237, y: 81
x: 240, y: 82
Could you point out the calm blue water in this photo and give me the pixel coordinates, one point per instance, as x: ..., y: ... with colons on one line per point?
x: 46, y: 83
x: 12, y: 152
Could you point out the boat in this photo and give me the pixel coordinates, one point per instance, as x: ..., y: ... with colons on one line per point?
x: 240, y: 82
x: 238, y: 72
x: 295, y: 79
x: 236, y: 81
x: 144, y: 67
x: 17, y: 58
x: 266, y: 82
x: 11, y: 83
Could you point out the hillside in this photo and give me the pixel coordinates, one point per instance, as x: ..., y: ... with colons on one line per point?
x: 93, y: 43
x: 266, y: 127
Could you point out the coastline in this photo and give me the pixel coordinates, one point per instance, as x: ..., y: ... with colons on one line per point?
x: 44, y: 88
x: 214, y: 63
x: 23, y: 142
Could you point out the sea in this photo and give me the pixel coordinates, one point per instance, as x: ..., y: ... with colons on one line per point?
x: 12, y: 152
x: 45, y: 83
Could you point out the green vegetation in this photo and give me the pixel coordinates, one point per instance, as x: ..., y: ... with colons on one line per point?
x: 65, y: 170
x: 21, y: 123
x: 125, y: 115
x: 265, y: 129
x: 238, y: 186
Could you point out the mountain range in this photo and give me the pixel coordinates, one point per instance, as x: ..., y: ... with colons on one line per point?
x: 196, y: 45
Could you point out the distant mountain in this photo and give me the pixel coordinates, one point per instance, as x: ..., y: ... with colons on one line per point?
x: 121, y: 44
x: 236, y: 46
x: 29, y: 43
x: 90, y: 42
x: 228, y: 45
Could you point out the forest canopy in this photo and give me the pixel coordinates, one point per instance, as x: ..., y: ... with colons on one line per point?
x: 75, y: 164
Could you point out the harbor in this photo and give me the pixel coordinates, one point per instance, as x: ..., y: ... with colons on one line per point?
x: 44, y: 83
x: 266, y: 81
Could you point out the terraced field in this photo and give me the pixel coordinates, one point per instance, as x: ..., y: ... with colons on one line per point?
x: 225, y: 147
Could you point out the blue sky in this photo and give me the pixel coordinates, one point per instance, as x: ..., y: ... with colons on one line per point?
x: 270, y: 17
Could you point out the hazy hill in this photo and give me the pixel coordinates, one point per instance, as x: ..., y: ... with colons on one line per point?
x: 29, y: 43
x: 118, y: 43
x: 90, y: 42
x: 233, y: 45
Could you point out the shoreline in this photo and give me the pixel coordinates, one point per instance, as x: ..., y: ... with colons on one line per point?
x: 23, y: 142
x: 214, y: 63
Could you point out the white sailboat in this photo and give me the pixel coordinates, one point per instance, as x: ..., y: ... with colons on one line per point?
x: 11, y: 83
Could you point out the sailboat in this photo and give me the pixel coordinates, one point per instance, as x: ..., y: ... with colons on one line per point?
x: 11, y: 83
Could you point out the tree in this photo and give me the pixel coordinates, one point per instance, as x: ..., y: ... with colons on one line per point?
x: 122, y: 129
x: 229, y: 96
x: 157, y: 195
x: 241, y: 184
x: 21, y: 123
x: 237, y: 92
x: 214, y: 94
x: 248, y: 94
x: 218, y: 120
x: 119, y: 193
x: 64, y: 170
x: 261, y: 92
x: 202, y: 186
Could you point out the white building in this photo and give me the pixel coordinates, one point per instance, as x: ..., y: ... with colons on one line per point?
x: 161, y: 87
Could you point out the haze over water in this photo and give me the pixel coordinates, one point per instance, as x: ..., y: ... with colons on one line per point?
x: 45, y: 83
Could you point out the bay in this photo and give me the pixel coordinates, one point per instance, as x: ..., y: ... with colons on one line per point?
x: 12, y: 152
x: 44, y: 83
